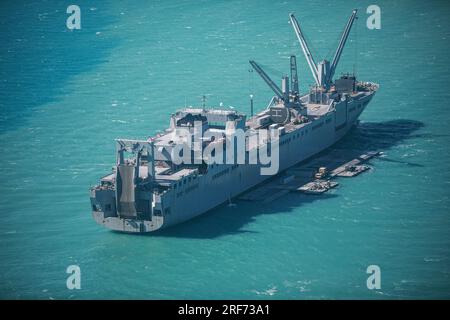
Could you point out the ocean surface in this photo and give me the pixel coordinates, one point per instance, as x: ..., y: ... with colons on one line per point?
x: 66, y: 95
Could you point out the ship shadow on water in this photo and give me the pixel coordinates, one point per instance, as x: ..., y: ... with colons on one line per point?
x: 231, y: 219
x: 45, y: 68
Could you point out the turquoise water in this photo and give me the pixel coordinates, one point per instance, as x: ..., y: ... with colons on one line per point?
x: 65, y: 96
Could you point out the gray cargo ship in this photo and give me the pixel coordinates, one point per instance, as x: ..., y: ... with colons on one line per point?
x: 148, y: 190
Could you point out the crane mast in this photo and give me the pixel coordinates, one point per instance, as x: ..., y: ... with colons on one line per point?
x: 283, y: 93
x: 341, y: 45
x: 294, y: 76
x: 305, y: 49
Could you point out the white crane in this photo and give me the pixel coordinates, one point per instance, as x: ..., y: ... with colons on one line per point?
x: 323, y: 72
x: 283, y: 93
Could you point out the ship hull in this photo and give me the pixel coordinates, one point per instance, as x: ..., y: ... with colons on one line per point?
x: 215, y: 188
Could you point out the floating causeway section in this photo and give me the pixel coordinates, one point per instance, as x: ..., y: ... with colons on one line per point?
x: 302, y: 178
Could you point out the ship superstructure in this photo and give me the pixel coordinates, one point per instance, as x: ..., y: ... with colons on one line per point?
x: 150, y: 189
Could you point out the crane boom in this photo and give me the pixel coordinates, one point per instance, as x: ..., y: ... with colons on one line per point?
x: 267, y: 79
x: 341, y: 45
x: 305, y: 49
x: 294, y: 76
